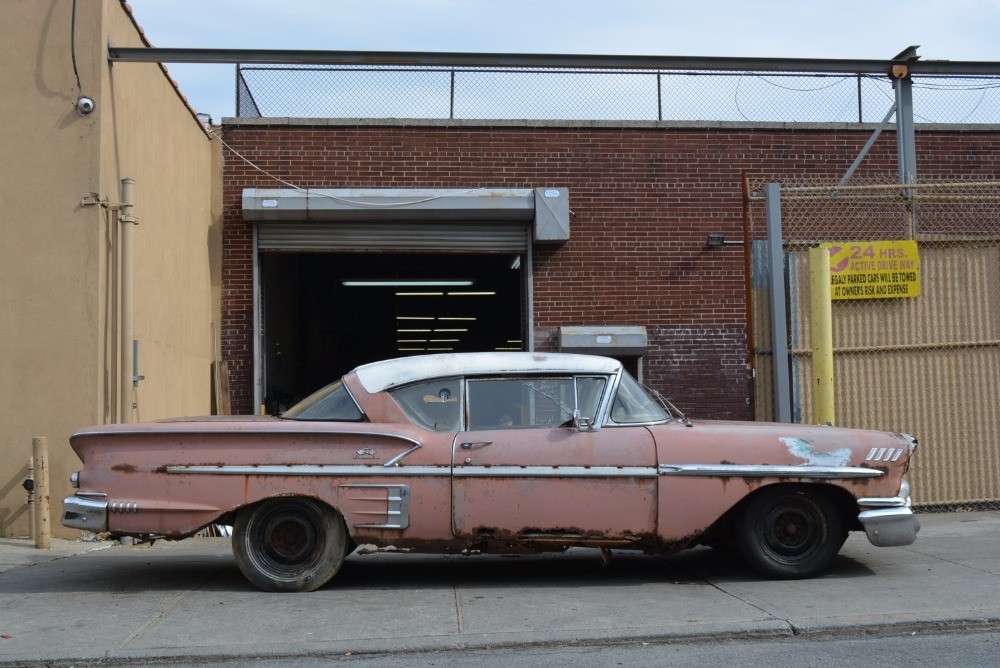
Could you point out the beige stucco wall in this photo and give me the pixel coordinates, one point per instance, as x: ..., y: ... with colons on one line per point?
x: 58, y: 260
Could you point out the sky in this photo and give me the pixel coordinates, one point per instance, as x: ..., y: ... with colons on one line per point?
x: 868, y: 29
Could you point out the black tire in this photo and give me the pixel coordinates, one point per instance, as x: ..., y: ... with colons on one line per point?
x: 790, y: 533
x: 289, y: 544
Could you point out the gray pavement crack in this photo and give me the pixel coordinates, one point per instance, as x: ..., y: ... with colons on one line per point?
x: 152, y: 621
x: 949, y: 561
x: 753, y: 605
x: 458, y: 601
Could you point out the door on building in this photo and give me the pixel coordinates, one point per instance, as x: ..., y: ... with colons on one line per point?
x: 326, y: 312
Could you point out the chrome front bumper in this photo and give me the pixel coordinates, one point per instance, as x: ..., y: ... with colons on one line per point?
x: 889, y: 522
x: 85, y: 513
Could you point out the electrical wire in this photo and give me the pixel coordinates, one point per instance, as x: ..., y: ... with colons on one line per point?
x: 344, y: 200
x: 837, y: 82
x: 72, y: 48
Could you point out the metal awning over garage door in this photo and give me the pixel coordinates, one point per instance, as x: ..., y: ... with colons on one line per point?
x: 395, y: 220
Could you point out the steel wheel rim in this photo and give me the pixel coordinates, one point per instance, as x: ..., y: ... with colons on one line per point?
x: 792, y: 530
x: 287, y: 539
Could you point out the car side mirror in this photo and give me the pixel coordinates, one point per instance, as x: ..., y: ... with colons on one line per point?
x: 581, y: 423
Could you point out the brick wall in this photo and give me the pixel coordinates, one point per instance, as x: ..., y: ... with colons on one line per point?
x: 643, y: 201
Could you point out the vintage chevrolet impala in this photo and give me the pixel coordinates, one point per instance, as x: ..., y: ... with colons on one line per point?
x: 492, y: 452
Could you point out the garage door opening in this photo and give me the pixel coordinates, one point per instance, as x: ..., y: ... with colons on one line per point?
x: 323, y: 314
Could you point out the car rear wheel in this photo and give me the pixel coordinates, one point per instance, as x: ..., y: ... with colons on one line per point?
x: 289, y: 544
x: 789, y: 533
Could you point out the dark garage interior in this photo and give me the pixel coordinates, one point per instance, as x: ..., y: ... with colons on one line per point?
x: 325, y: 313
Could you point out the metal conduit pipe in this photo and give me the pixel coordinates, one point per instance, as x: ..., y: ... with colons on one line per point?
x: 127, y: 221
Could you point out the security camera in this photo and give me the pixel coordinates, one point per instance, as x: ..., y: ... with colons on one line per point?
x: 85, y: 105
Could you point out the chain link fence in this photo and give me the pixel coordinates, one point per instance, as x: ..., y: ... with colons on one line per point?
x: 384, y: 92
x: 928, y: 365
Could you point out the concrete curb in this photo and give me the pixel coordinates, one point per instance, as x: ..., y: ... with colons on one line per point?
x: 691, y: 633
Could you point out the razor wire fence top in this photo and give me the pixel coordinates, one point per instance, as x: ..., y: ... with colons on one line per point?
x: 503, y: 93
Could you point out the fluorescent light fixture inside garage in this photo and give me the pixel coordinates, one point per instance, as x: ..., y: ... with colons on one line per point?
x: 470, y: 294
x: 405, y: 283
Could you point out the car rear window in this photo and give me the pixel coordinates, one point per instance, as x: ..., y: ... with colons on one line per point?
x: 333, y: 403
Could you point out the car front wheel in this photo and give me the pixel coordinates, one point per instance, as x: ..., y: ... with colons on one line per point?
x: 289, y: 544
x: 789, y: 533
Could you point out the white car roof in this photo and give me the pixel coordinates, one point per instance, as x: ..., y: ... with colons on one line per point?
x: 381, y: 376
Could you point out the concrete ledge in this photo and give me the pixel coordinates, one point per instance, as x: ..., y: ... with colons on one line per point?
x: 231, y: 122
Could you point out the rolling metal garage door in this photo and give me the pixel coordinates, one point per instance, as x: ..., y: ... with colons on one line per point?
x: 394, y: 237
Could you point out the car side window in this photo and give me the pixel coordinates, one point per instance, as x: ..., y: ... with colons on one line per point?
x: 517, y: 403
x: 434, y: 405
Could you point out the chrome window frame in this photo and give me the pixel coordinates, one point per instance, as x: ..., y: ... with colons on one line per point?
x: 559, y: 375
x: 461, y: 401
x: 609, y: 421
x: 343, y: 383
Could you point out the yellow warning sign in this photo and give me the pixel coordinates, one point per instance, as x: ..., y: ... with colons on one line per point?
x: 874, y: 269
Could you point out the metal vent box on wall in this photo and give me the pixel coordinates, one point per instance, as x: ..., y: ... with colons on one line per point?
x: 626, y: 341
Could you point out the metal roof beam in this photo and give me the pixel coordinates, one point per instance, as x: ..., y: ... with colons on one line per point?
x: 574, y: 61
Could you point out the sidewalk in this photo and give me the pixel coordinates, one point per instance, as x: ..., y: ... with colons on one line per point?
x: 18, y: 552
x: 188, y: 600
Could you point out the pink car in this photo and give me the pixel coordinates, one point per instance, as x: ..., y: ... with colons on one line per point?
x: 492, y: 452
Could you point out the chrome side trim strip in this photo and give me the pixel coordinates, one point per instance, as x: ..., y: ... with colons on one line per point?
x: 757, y: 471
x: 891, y: 502
x: 313, y: 469
x: 708, y: 470
x: 901, y: 500
x: 555, y: 472
x: 254, y: 432
x: 395, y: 460
x: 460, y: 472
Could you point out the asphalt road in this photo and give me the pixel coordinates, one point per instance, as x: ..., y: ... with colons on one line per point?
x: 968, y: 649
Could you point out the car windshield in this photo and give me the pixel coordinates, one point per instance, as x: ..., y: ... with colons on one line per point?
x: 633, y: 405
x: 333, y: 403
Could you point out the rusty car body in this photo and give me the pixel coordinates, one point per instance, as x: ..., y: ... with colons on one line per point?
x: 492, y: 452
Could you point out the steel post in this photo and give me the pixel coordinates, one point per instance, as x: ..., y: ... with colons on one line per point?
x: 821, y: 328
x: 127, y: 222
x: 779, y: 318
x: 43, y: 527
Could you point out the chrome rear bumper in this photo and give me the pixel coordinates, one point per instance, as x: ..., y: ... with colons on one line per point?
x: 85, y: 513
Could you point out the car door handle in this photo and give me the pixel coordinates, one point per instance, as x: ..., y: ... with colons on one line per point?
x: 475, y: 444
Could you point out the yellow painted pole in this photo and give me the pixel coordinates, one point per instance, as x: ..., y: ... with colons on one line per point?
x: 822, y: 335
